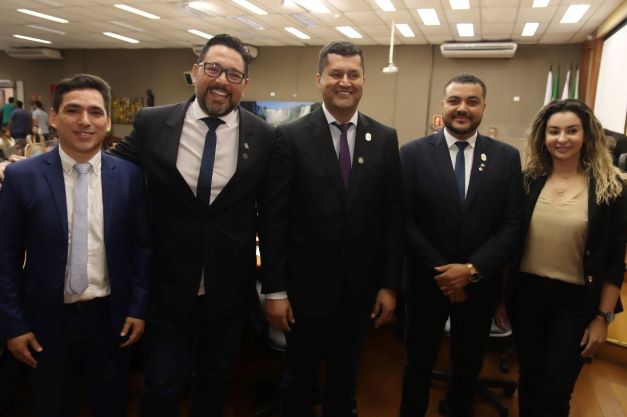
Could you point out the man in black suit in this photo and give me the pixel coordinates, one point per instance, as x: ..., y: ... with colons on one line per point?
x: 463, y: 200
x: 332, y: 238
x: 204, y: 161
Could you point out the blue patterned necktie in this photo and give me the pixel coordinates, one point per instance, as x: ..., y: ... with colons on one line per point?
x: 203, y: 189
x: 345, y: 154
x: 77, y: 277
x: 460, y: 170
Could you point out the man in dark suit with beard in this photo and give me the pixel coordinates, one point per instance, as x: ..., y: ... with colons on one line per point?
x: 332, y: 238
x: 463, y: 200
x: 204, y: 162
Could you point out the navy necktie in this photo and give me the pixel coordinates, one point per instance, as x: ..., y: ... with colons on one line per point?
x: 345, y: 154
x: 460, y: 170
x: 203, y: 189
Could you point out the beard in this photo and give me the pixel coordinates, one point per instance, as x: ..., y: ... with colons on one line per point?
x: 216, y: 110
x: 456, y: 131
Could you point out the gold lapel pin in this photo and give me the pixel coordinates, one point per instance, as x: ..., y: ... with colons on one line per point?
x: 246, y: 146
x: 245, y: 155
x: 484, y: 157
x: 368, y: 137
x: 360, y: 160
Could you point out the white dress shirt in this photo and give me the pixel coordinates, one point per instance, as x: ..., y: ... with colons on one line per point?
x: 97, y: 274
x: 469, y: 153
x: 336, y: 132
x: 191, y: 147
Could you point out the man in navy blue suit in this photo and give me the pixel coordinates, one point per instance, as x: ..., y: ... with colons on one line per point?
x: 74, y: 258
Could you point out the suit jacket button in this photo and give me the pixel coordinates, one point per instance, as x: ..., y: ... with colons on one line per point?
x: 589, y: 278
x: 587, y: 253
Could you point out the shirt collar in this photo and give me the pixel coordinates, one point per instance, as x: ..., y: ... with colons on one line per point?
x: 68, y: 163
x: 331, y: 119
x: 450, y: 139
x: 230, y: 119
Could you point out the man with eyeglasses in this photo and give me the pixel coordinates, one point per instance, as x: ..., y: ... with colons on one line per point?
x: 204, y: 162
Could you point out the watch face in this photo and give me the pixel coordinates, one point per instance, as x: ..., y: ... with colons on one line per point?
x: 609, y: 317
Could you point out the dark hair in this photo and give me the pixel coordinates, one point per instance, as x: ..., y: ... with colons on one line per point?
x: 38, y: 104
x: 467, y: 79
x: 339, y: 48
x: 11, y: 99
x: 82, y: 82
x: 19, y: 104
x: 230, y: 42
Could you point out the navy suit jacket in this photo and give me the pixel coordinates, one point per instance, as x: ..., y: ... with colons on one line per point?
x: 34, y: 244
x: 483, y: 230
x: 190, y: 236
x: 320, y: 240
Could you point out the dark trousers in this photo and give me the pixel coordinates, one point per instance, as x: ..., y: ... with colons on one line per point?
x: 87, y: 346
x: 10, y: 370
x: 337, y: 340
x: 548, y: 320
x: 427, y: 310
x: 201, y: 346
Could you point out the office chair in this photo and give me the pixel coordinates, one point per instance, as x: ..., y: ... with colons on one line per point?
x: 484, y: 385
x: 622, y: 161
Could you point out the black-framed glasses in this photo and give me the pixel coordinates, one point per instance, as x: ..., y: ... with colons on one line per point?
x: 214, y: 70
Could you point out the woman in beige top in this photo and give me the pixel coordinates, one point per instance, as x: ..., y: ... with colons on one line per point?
x: 565, y: 285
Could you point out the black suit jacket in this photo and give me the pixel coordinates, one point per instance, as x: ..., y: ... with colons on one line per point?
x: 484, y: 230
x: 320, y: 240
x: 190, y: 236
x: 604, y: 254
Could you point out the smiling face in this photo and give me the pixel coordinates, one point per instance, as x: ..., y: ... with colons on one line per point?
x: 81, y: 122
x: 462, y: 109
x: 564, y: 137
x: 217, y: 96
x: 341, y: 84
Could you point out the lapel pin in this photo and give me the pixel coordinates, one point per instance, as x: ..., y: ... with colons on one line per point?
x: 484, y: 157
x: 245, y: 155
x: 248, y: 147
x: 368, y: 137
x: 481, y: 168
x: 360, y: 160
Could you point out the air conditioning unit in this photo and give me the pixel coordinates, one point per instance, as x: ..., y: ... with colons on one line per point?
x: 479, y: 50
x: 253, y: 51
x: 34, y: 53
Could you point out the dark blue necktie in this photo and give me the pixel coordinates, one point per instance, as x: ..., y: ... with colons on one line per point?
x: 460, y: 170
x: 345, y: 153
x: 203, y: 189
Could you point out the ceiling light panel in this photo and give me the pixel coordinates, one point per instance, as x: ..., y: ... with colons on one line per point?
x: 200, y: 33
x: 349, y: 32
x: 540, y: 3
x: 120, y: 37
x: 43, y: 16
x: 386, y: 5
x: 250, y: 7
x: 459, y: 4
x: 530, y: 29
x: 248, y: 21
x: 28, y: 38
x: 126, y: 26
x: 465, y: 29
x: 297, y: 33
x: 574, y: 13
x: 45, y: 29
x: 314, y: 6
x: 429, y: 17
x: 136, y: 11
x: 405, y: 30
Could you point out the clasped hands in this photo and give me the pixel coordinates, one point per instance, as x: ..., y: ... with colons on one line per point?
x: 452, y: 279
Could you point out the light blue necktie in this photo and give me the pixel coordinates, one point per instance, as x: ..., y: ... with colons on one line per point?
x: 460, y: 170
x: 77, y: 277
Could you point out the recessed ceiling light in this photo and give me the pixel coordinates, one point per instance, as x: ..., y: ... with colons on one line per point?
x: 28, y: 38
x: 202, y: 6
x: 574, y: 13
x: 304, y: 20
x: 126, y: 26
x: 120, y: 37
x: 540, y: 3
x: 386, y: 5
x: 58, y: 32
x: 314, y: 6
x: 465, y: 29
x: 459, y: 4
x: 349, y: 31
x: 405, y: 30
x: 200, y: 33
x: 429, y: 17
x: 43, y: 16
x: 297, y: 33
x: 530, y: 29
x: 248, y: 21
x: 139, y: 12
x: 250, y: 7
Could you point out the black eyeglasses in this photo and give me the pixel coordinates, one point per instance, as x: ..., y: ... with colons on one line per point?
x: 214, y: 70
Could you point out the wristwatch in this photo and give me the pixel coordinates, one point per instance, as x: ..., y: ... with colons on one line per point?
x: 475, y: 276
x: 608, y: 317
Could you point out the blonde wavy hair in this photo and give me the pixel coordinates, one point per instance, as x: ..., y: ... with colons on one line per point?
x: 596, y: 160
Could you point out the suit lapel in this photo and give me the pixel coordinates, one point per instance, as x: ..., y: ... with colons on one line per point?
x: 442, y: 159
x: 108, y: 178
x: 361, y: 156
x: 478, y: 169
x: 321, y: 136
x: 592, y: 203
x: 53, y: 172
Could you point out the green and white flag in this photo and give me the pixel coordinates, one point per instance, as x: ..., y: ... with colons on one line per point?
x: 556, y: 85
x: 566, y: 90
x: 575, y: 88
x: 549, y: 86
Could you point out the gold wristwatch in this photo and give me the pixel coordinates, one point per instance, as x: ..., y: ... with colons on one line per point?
x: 475, y: 276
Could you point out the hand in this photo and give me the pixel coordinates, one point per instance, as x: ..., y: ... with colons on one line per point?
x: 500, y: 317
x: 279, y: 313
x: 19, y: 347
x: 458, y: 297
x: 384, y: 306
x: 134, y: 328
x: 452, y: 277
x: 12, y: 158
x: 594, y: 336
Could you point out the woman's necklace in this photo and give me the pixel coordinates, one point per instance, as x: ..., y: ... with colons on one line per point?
x: 564, y: 184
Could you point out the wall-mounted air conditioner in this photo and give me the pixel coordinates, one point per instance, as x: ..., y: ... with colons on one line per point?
x: 34, y: 53
x: 479, y: 50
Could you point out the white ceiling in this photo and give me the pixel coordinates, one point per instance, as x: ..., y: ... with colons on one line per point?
x: 493, y: 20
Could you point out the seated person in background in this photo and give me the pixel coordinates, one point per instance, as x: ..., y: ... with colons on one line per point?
x: 565, y: 283
x: 35, y: 143
x: 7, y: 144
x: 63, y: 312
